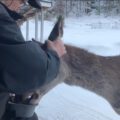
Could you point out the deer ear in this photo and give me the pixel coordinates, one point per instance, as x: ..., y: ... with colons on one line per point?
x: 35, y: 3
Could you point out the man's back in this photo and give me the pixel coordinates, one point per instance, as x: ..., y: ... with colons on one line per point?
x: 23, y: 63
x: 24, y: 66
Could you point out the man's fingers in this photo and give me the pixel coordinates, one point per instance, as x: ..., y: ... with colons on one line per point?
x: 57, y: 46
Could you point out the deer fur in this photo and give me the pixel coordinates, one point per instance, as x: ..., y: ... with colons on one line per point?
x: 98, y: 74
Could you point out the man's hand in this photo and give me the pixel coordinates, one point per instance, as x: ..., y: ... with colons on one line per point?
x: 57, y: 46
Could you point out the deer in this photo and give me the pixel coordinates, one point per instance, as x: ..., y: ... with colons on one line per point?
x: 98, y: 74
x: 79, y: 67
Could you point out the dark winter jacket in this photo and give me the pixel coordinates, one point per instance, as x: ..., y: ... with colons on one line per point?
x: 24, y: 66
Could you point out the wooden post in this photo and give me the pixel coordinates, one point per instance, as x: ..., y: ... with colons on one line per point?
x: 42, y: 25
x: 36, y: 26
x: 27, y: 30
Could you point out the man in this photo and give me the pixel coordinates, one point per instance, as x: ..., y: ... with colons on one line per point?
x: 24, y: 66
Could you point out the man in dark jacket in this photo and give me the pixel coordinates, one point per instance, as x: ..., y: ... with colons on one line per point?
x: 24, y: 66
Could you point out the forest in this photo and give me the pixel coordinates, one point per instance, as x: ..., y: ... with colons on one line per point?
x: 78, y: 8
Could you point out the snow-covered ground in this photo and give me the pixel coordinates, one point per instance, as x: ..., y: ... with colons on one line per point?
x: 98, y: 35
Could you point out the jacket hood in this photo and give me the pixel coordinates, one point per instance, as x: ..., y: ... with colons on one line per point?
x: 13, y: 14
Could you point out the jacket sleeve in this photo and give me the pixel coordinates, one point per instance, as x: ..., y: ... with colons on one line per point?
x: 24, y: 66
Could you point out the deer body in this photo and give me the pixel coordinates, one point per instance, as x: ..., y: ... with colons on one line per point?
x: 98, y: 74
x: 95, y: 73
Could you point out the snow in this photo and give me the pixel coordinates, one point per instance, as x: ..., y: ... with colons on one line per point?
x: 73, y: 103
x: 97, y: 35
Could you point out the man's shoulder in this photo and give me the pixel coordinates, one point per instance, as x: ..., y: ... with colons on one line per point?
x: 3, y: 11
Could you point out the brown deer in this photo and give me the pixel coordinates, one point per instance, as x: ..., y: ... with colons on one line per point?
x: 95, y: 73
